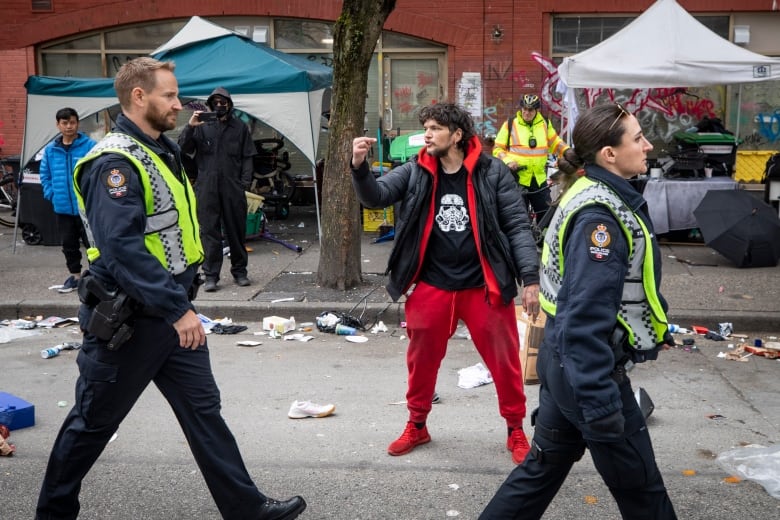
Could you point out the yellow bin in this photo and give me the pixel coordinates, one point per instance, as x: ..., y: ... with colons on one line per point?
x: 750, y: 165
x: 373, y: 218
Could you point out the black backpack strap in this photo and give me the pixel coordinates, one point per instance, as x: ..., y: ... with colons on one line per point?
x: 509, y: 130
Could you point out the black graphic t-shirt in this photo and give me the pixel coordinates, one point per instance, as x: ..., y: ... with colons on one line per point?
x: 451, y: 259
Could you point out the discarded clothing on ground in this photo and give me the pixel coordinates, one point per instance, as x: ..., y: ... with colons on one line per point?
x: 227, y: 329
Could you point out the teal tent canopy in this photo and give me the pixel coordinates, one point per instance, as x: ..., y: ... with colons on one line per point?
x: 282, y: 90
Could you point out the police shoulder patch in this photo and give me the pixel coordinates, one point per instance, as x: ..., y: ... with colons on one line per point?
x: 598, y: 240
x: 116, y: 183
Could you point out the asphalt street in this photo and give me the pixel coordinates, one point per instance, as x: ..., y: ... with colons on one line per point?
x: 704, y: 405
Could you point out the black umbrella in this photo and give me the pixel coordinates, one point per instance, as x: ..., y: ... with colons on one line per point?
x: 741, y: 227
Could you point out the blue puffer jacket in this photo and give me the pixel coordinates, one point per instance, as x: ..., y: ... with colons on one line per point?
x: 57, y: 172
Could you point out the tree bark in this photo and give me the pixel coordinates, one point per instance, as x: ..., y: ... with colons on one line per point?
x: 355, y: 35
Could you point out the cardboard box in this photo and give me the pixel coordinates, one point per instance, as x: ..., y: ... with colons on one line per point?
x: 531, y: 335
x: 278, y: 324
x: 15, y: 412
x: 373, y: 218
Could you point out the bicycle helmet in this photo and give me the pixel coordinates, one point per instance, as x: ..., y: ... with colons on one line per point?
x: 531, y: 101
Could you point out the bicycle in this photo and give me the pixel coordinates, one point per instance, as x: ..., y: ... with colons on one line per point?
x: 270, y: 178
x: 538, y: 226
x: 9, y: 195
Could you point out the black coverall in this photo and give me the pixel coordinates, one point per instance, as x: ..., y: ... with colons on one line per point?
x: 223, y: 152
x: 585, y: 399
x: 110, y: 382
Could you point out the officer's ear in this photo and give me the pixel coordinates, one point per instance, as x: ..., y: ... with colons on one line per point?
x: 606, y: 156
x: 138, y: 96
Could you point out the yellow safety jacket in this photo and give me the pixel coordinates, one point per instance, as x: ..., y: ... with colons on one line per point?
x: 172, y: 233
x: 641, y: 313
x: 513, y: 145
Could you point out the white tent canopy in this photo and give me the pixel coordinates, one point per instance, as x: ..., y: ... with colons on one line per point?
x: 665, y: 47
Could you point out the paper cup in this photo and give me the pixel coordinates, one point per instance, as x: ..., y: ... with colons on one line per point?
x: 708, y: 172
x: 655, y: 173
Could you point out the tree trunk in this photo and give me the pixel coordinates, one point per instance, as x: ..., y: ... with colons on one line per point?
x: 354, y: 38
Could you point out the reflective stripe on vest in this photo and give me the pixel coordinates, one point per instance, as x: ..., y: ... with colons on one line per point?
x: 172, y: 234
x: 640, y: 313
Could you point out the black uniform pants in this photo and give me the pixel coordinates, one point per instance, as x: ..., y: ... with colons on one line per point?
x: 72, y: 235
x: 222, y: 208
x: 108, y: 386
x: 627, y: 467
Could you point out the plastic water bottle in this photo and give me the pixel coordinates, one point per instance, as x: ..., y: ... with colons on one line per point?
x: 51, y: 352
x: 344, y: 330
x: 56, y: 349
x: 676, y: 329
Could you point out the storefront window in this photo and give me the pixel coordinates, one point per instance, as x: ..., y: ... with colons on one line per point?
x: 72, y: 65
x: 142, y: 36
x: 573, y: 34
x: 87, y: 43
x: 115, y: 61
x: 303, y: 34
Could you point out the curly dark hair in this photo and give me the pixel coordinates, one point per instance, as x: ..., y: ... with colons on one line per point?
x: 453, y: 117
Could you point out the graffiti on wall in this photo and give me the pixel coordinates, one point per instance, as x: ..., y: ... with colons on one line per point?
x: 660, y: 111
x: 769, y: 125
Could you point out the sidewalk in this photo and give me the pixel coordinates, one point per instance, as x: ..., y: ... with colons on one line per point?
x: 701, y: 286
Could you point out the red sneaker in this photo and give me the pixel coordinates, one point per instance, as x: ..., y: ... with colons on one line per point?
x: 517, y: 443
x: 409, y: 440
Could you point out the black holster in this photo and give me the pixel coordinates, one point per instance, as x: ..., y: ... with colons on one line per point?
x: 110, y: 319
x: 192, y: 292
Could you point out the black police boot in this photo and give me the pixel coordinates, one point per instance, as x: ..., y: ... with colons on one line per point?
x: 210, y: 285
x: 286, y: 510
x: 242, y: 281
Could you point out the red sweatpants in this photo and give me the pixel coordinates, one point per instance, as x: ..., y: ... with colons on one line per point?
x: 431, y: 319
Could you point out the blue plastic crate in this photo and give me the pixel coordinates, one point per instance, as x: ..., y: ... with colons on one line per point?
x: 15, y: 412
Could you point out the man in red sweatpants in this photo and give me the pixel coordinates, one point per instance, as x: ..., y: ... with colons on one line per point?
x: 464, y: 242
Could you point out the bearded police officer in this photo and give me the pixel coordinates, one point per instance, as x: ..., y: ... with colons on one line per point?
x: 139, y: 325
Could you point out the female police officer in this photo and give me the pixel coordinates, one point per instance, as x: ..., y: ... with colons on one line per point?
x: 605, y: 313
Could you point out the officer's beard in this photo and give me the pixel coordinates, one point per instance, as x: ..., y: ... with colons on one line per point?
x: 161, y: 121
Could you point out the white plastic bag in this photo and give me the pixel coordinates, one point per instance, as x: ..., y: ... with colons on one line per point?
x: 755, y: 462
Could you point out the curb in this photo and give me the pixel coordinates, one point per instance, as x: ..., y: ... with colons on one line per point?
x: 253, y: 311
x: 249, y: 311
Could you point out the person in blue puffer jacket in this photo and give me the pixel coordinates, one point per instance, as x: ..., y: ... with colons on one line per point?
x: 59, y: 158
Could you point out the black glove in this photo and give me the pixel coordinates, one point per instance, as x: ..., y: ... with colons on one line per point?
x: 606, y: 429
x: 227, y: 329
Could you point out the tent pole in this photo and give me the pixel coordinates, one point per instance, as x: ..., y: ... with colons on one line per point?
x: 739, y: 110
x: 316, y: 202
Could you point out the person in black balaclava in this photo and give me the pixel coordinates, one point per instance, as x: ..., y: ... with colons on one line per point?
x: 223, y: 149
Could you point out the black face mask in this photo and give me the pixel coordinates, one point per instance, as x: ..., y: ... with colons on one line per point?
x: 221, y: 111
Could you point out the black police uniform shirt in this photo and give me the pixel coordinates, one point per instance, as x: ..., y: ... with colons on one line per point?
x: 115, y: 202
x: 451, y: 258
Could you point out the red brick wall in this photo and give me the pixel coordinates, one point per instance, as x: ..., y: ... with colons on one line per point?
x: 507, y: 68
